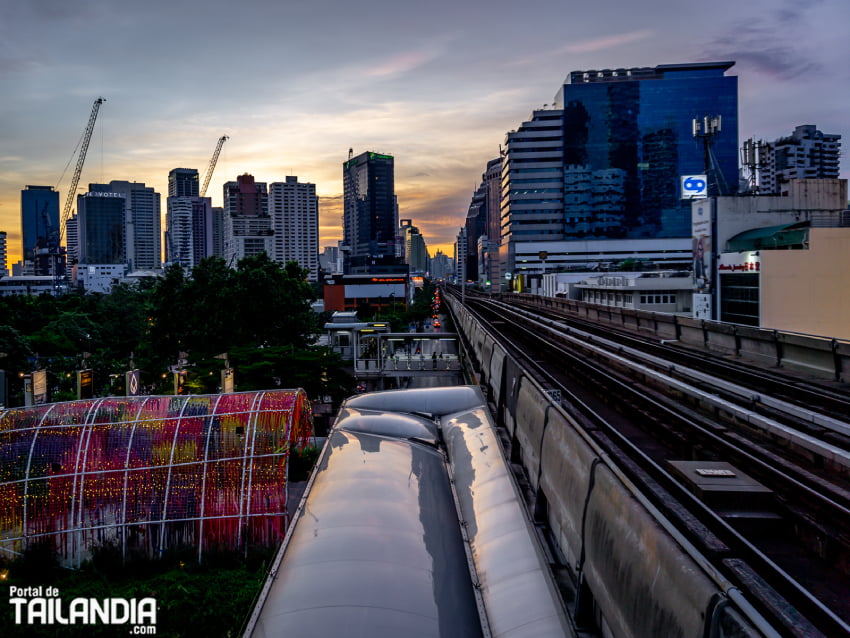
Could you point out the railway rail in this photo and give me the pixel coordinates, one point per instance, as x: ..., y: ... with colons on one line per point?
x: 656, y: 410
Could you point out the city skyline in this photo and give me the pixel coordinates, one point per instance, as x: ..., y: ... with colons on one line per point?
x: 436, y: 86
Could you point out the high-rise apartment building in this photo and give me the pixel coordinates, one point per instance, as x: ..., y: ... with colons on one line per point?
x: 606, y: 161
x: 72, y: 239
x: 483, y: 226
x: 442, y: 266
x: 189, y: 230
x: 805, y: 154
x: 476, y: 227
x: 460, y: 257
x: 143, y: 226
x: 294, y: 209
x: 188, y: 220
x: 492, y: 182
x: 415, y: 248
x: 247, y: 223
x: 330, y: 260
x: 370, y: 215
x: 218, y: 231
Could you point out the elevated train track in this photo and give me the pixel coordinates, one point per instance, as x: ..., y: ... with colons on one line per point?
x: 663, y: 414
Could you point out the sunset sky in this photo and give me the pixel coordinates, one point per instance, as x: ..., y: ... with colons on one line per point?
x: 437, y: 84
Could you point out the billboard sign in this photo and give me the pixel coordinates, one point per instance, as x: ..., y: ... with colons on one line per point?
x: 85, y: 384
x: 39, y: 387
x: 702, y: 248
x: 131, y: 379
x: 227, y: 380
x: 694, y: 186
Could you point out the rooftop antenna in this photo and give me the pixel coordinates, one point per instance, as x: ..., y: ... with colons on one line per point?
x: 754, y: 156
x: 706, y: 129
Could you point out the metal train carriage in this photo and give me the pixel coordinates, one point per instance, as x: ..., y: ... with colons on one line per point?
x: 411, y: 525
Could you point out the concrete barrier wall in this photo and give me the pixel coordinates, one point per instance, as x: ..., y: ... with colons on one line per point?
x: 567, y: 458
x: 486, y: 354
x: 807, y: 353
x: 638, y: 574
x: 531, y: 414
x: 820, y: 356
x: 512, y: 380
x: 497, y: 364
x: 723, y: 338
x: 758, y: 345
x: 644, y: 583
x: 692, y: 332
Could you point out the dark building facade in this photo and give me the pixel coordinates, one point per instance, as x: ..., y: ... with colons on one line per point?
x: 101, y: 228
x: 183, y: 182
x: 39, y: 225
x: 370, y: 214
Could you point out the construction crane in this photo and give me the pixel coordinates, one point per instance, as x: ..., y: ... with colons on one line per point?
x: 213, y: 161
x: 81, y: 158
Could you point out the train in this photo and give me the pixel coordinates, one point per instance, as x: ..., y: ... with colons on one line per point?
x: 411, y: 524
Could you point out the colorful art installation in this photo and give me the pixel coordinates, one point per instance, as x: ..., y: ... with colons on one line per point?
x: 148, y: 474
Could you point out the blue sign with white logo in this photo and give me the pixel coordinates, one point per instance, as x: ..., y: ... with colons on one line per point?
x: 694, y: 186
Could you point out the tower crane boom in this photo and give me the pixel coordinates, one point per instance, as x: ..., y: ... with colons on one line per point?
x: 81, y: 159
x: 213, y: 161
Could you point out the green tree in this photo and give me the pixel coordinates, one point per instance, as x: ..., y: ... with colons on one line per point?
x: 275, y: 302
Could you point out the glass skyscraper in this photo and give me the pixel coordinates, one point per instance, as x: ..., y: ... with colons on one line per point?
x: 606, y: 161
x: 39, y: 220
x: 370, y: 216
x: 101, y: 226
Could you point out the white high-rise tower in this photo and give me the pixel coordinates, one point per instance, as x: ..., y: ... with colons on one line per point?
x: 294, y: 209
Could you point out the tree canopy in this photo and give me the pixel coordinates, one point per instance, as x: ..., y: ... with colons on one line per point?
x: 259, y: 311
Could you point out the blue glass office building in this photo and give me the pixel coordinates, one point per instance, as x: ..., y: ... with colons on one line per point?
x: 628, y: 138
x: 39, y: 219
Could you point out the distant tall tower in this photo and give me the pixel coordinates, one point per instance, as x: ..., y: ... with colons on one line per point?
x: 218, y: 231
x: 492, y: 182
x: 460, y: 256
x: 39, y: 227
x: 101, y: 227
x: 188, y: 220
x: 294, y: 209
x: 3, y: 255
x: 188, y: 230
x: 370, y: 215
x: 415, y: 249
x: 476, y: 227
x: 247, y: 223
x: 72, y: 238
x: 143, y: 224
x: 183, y: 182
